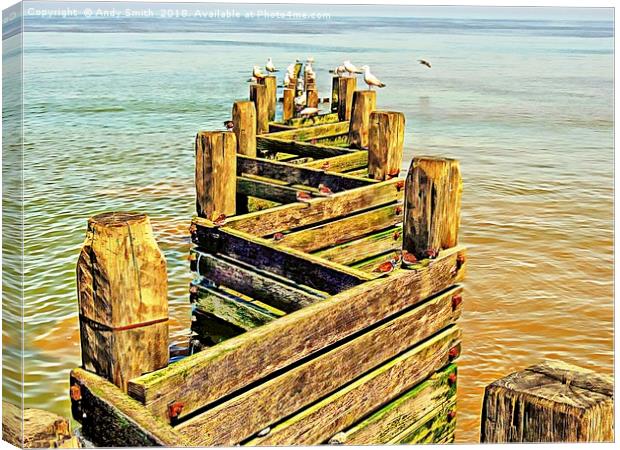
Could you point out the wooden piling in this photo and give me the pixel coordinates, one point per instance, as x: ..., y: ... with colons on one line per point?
x: 335, y: 84
x: 258, y: 94
x: 216, y: 174
x: 288, y: 104
x: 432, y: 206
x: 346, y: 87
x: 364, y: 103
x: 312, y: 96
x: 123, y: 298
x: 244, y: 120
x: 271, y: 84
x: 386, y: 138
x: 549, y: 402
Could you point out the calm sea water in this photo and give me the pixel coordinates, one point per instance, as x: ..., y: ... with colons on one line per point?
x: 111, y: 110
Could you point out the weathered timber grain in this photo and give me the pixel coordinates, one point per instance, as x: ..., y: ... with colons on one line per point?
x: 344, y: 230
x: 268, y: 146
x: 346, y: 87
x: 319, y: 119
x: 267, y: 287
x: 229, y: 308
x: 437, y: 426
x: 340, y: 140
x: 308, y: 133
x: 386, y: 139
x: 295, y: 215
x: 334, y: 99
x: 210, y: 330
x: 270, y: 82
x: 244, y: 415
x: 432, y: 205
x: 122, y: 287
x: 549, y: 402
x: 405, y: 413
x: 368, y: 246
x: 341, y: 163
x: 268, y: 191
x: 298, y: 175
x: 264, y: 254
x: 288, y: 105
x: 258, y: 94
x: 216, y: 168
x: 364, y: 102
x: 200, y: 379
x: 110, y: 418
x: 35, y: 428
x: 312, y: 97
x: 346, y: 406
x: 244, y: 127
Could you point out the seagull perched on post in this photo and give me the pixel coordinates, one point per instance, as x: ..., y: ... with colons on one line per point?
x: 256, y: 73
x: 424, y: 63
x: 351, y: 68
x: 270, y: 67
x: 339, y: 71
x: 370, y: 79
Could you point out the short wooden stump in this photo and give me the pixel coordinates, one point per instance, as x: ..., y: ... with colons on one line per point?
x: 549, y: 402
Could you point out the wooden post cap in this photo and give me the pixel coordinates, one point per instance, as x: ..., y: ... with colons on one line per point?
x: 549, y: 402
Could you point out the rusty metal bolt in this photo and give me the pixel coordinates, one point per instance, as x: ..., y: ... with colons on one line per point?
x: 452, y: 379
x: 400, y: 185
x: 454, y: 352
x: 397, y: 235
x: 398, y: 210
x: 75, y: 392
x: 460, y: 260
x: 451, y: 415
x: 457, y: 299
x: 193, y: 228
x: 193, y: 289
x: 174, y: 410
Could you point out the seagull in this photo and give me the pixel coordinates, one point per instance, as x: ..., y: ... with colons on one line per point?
x: 351, y: 68
x: 424, y: 63
x: 256, y: 73
x: 339, y: 71
x: 300, y: 101
x: 287, y: 79
x: 370, y: 79
x: 270, y: 67
x: 309, y: 112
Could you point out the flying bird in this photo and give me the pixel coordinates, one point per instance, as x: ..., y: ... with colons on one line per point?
x: 270, y: 67
x: 370, y: 79
x: 351, y: 68
x: 424, y: 63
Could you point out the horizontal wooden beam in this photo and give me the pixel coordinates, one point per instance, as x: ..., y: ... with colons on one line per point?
x: 335, y: 140
x: 267, y: 145
x: 437, y: 426
x: 213, y: 373
x: 312, y: 132
x: 261, y: 285
x: 244, y: 415
x: 342, y: 163
x: 344, y: 230
x: 265, y: 254
x: 268, y: 191
x: 298, y: 175
x: 369, y: 246
x: 405, y: 412
x: 302, y: 122
x: 295, y: 215
x: 113, y: 419
x: 317, y: 423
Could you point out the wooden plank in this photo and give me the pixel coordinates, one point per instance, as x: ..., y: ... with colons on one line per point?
x: 268, y: 145
x: 295, y: 215
x: 276, y: 126
x: 312, y: 132
x: 333, y: 140
x: 244, y: 415
x: 296, y: 174
x: 260, y: 285
x: 268, y: 191
x: 342, y: 163
x: 344, y: 230
x: 346, y: 406
x: 205, y: 377
x: 408, y: 412
x: 303, y: 122
x: 113, y: 419
x: 229, y: 308
x: 435, y: 427
x: 355, y: 251
x: 264, y: 254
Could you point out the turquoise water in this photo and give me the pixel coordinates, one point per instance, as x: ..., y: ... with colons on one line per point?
x: 112, y: 106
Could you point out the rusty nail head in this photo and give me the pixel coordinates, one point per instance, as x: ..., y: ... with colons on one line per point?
x: 399, y: 185
x: 174, y: 410
x: 75, y: 392
x: 460, y: 260
x: 452, y: 379
x: 456, y: 301
x: 452, y: 414
x: 453, y: 352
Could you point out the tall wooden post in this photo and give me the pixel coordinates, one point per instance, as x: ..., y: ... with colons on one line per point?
x: 123, y: 298
x: 386, y: 138
x: 549, y: 402
x: 244, y: 120
x: 216, y: 174
x: 288, y: 104
x: 432, y: 206
x: 364, y: 102
x: 312, y: 95
x: 258, y: 94
x: 346, y: 87
x: 271, y: 84
x: 335, y: 83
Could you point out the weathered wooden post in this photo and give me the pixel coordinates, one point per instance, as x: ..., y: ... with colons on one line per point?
x: 288, y: 104
x: 432, y: 206
x: 216, y: 174
x: 312, y: 95
x: 346, y: 87
x: 271, y: 84
x: 244, y: 127
x: 258, y: 94
x: 335, y: 83
x: 386, y: 138
x: 549, y: 402
x: 123, y: 298
x: 364, y: 103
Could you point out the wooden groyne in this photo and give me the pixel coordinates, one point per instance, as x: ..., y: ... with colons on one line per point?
x: 326, y: 290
